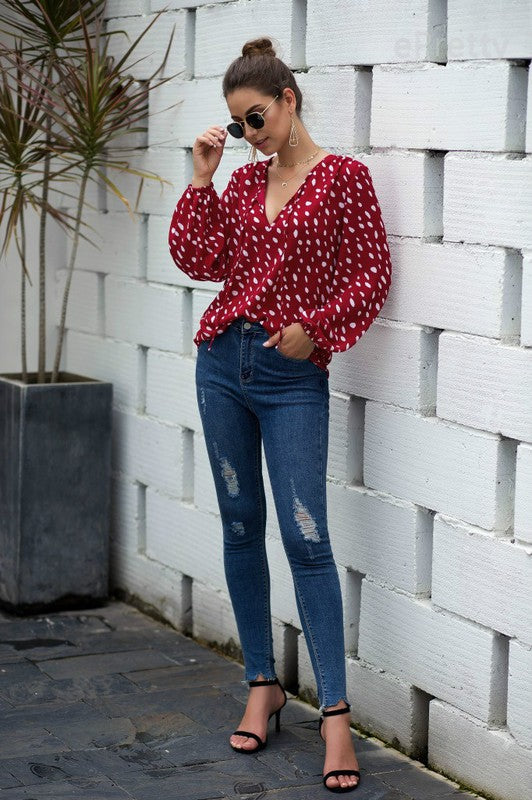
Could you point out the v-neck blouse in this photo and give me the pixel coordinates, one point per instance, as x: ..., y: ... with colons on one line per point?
x: 323, y: 262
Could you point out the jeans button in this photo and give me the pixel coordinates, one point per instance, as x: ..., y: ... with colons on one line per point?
x: 247, y: 325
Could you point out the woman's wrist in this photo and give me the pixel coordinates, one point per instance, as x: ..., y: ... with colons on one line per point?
x: 199, y: 182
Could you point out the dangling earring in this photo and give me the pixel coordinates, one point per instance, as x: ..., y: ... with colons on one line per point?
x: 293, y: 139
x: 252, y: 155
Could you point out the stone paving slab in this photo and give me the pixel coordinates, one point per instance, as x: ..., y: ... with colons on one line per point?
x: 110, y: 704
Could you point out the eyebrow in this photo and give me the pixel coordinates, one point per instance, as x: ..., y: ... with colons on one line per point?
x: 257, y: 105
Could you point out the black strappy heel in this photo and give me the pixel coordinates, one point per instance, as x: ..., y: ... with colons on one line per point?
x: 261, y: 744
x: 336, y: 772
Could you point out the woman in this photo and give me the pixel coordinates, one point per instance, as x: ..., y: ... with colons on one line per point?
x: 299, y: 240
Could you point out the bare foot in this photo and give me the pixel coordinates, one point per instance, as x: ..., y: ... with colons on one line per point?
x: 262, y: 701
x: 340, y: 752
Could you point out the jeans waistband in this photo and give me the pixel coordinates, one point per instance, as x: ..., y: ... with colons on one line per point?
x: 250, y: 325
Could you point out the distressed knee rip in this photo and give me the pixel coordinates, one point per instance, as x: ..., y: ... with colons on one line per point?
x: 305, y: 520
x: 228, y: 474
x: 238, y: 528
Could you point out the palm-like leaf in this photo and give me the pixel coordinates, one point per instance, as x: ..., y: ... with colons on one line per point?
x: 47, y: 25
x: 88, y: 102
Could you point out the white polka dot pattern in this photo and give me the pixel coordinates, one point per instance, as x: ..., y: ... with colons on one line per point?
x: 323, y: 261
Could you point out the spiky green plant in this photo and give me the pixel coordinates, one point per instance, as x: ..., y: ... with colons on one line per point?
x: 85, y: 101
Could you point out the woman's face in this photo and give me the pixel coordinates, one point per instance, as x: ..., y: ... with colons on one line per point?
x: 276, y: 129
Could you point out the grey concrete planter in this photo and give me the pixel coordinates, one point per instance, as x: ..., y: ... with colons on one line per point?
x: 55, y: 471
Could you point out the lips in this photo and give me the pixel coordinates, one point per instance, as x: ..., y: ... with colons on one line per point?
x: 259, y: 144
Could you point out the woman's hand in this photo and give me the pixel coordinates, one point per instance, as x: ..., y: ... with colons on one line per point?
x: 207, y: 151
x: 295, y: 342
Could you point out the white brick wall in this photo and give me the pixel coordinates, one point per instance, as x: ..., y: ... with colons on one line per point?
x: 374, y: 31
x: 221, y: 30
x: 488, y: 199
x: 148, y: 56
x: 430, y: 439
x: 406, y: 637
x: 523, y: 495
x: 464, y: 106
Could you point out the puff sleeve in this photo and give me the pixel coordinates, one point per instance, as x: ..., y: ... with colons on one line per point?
x: 362, y: 273
x: 201, y: 231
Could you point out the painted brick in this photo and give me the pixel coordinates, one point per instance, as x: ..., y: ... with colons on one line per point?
x: 84, y: 309
x: 171, y: 5
x: 435, y: 651
x: 374, y: 31
x: 501, y: 31
x: 360, y: 522
x: 523, y: 495
x: 443, y: 466
x: 396, y: 363
x: 460, y: 106
x: 526, y: 300
x: 152, y: 583
x: 171, y: 389
x: 369, y: 691
x: 468, y: 288
x: 126, y: 8
x: 127, y: 527
x: 213, y: 618
x: 465, y: 559
x: 221, y: 31
x: 346, y: 430
x: 464, y: 747
x: 321, y: 89
x: 149, y: 451
x: 155, y: 197
x: 409, y: 186
x: 116, y: 246
x: 487, y: 199
x: 149, y: 53
x: 528, y: 145
x: 144, y: 313
x: 519, y: 695
x: 486, y: 384
x: 184, y: 539
x: 108, y: 360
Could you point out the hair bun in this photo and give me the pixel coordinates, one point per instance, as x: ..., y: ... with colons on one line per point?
x: 258, y: 47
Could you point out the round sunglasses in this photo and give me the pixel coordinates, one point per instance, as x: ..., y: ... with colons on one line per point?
x: 254, y: 120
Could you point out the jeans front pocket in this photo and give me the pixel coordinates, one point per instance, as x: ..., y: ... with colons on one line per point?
x: 289, y: 358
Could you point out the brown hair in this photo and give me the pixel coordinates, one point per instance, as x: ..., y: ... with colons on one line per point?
x: 259, y: 68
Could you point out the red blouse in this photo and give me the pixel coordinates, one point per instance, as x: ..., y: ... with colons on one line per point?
x: 323, y: 262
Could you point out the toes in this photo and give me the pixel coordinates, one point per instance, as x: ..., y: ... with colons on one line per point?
x: 243, y: 742
x: 238, y: 741
x: 342, y: 780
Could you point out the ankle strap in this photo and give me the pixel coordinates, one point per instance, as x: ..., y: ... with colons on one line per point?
x: 268, y: 682
x: 337, y: 711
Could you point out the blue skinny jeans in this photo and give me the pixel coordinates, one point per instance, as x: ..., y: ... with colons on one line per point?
x: 248, y: 396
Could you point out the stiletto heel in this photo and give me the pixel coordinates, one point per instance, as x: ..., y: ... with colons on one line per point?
x: 278, y: 720
x: 336, y: 772
x: 261, y: 744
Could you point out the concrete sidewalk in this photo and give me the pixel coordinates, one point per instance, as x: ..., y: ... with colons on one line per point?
x: 108, y: 703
